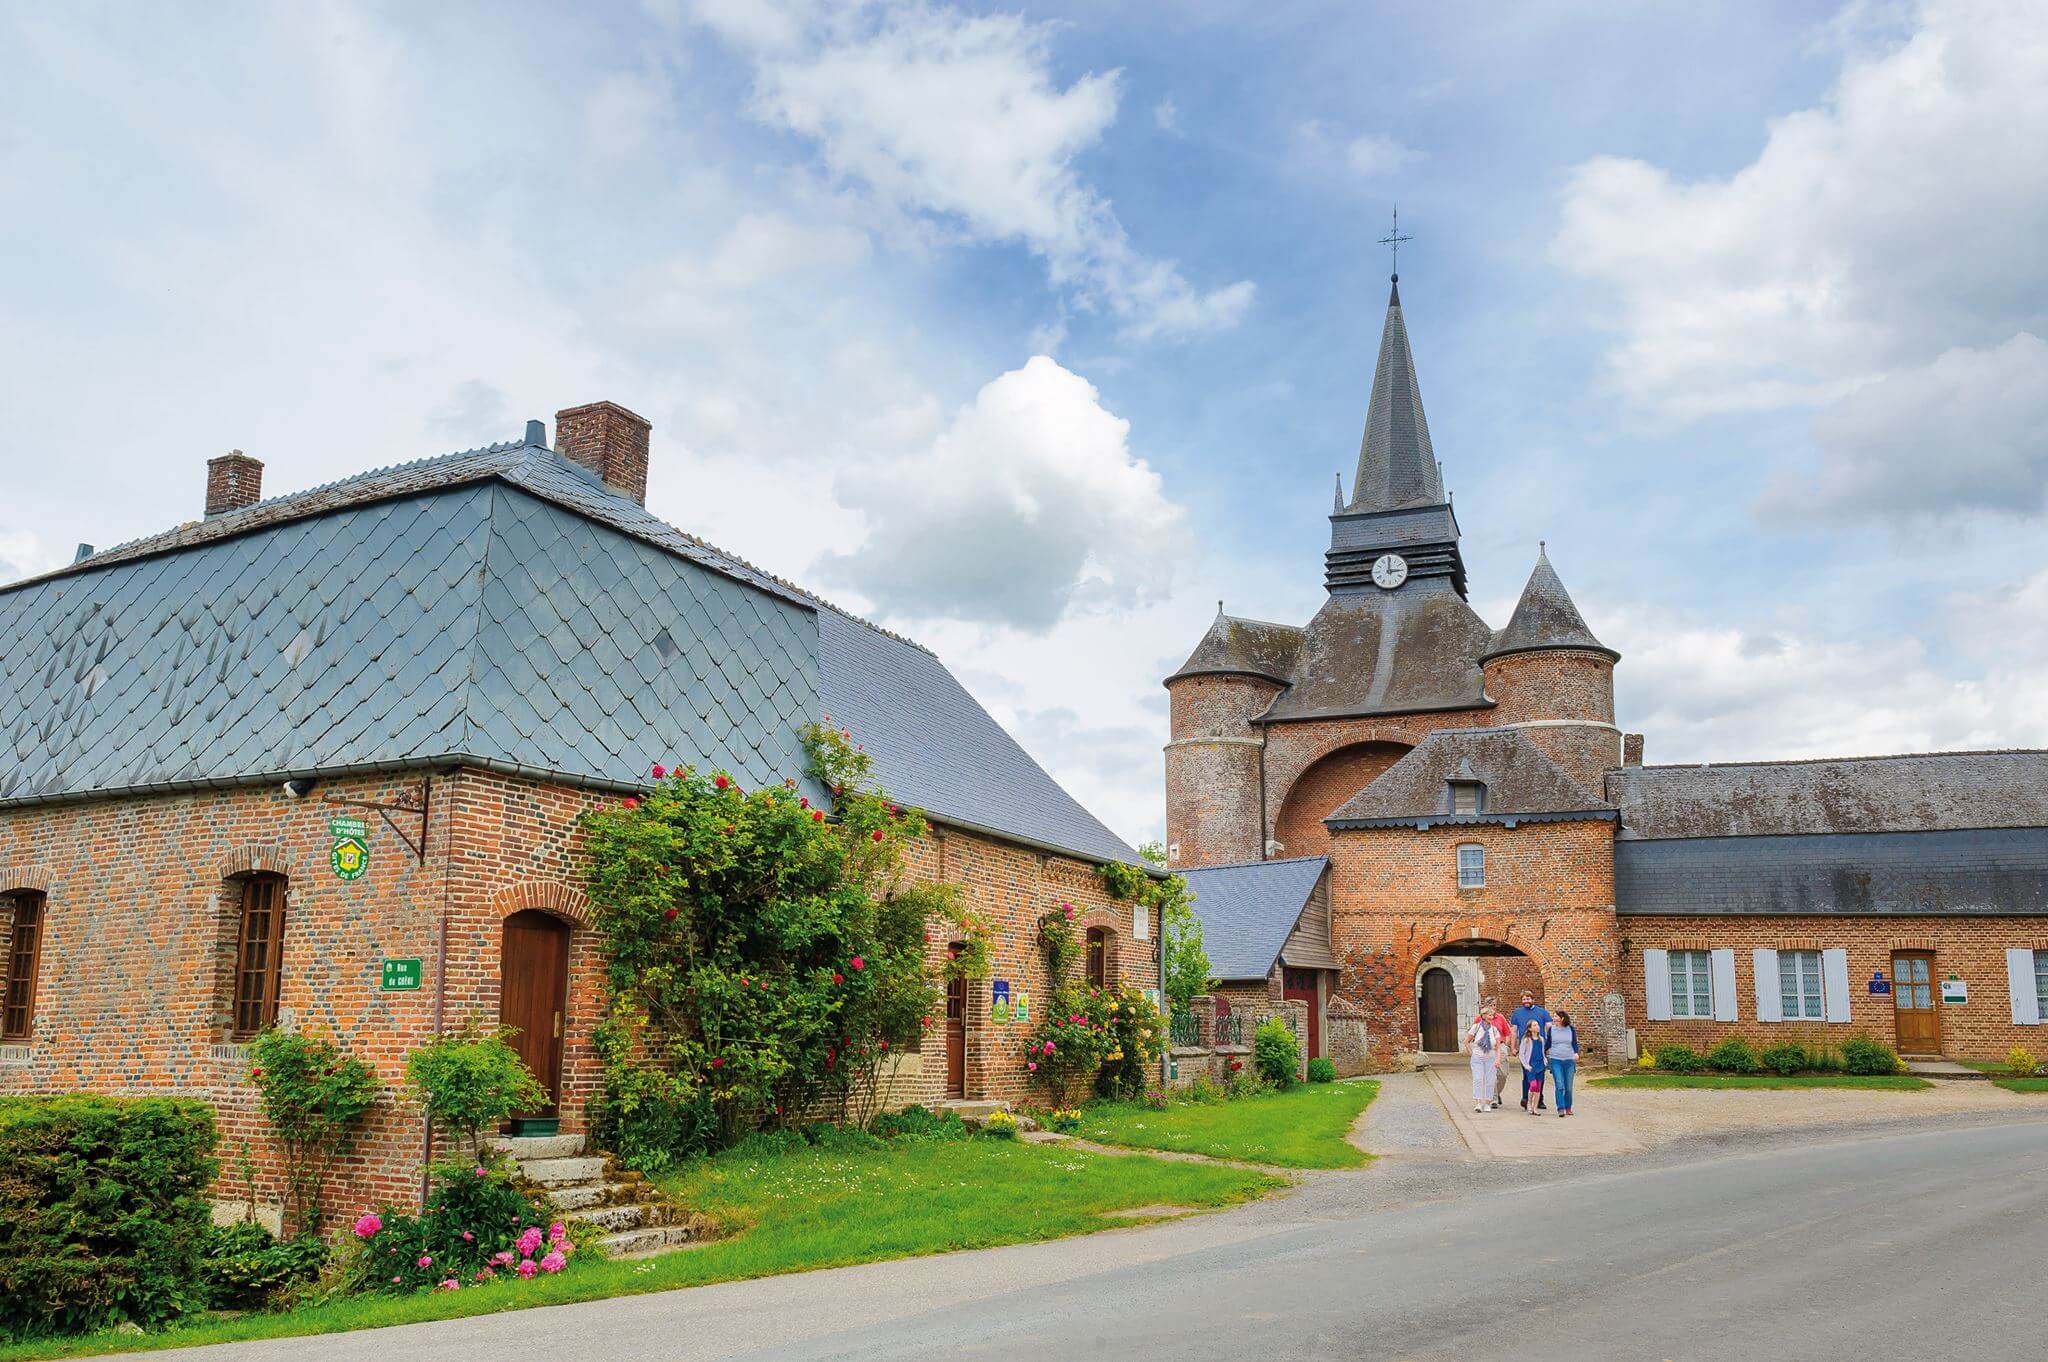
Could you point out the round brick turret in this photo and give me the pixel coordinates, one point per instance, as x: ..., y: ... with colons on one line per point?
x: 1549, y: 676
x: 1212, y: 769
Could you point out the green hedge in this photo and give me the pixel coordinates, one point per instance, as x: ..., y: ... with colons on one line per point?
x: 103, y: 1214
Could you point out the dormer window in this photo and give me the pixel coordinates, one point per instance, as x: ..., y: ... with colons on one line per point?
x: 1468, y: 796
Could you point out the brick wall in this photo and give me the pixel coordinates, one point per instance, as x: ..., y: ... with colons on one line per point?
x: 1971, y: 948
x: 1212, y: 769
x: 1319, y: 790
x: 1566, y: 697
x: 1549, y: 894
x: 141, y: 914
x: 1292, y: 748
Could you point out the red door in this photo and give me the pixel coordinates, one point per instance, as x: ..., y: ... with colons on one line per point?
x: 1300, y: 985
x: 533, y: 993
x: 956, y: 1034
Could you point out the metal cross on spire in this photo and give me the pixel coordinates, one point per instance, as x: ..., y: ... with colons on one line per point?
x: 1392, y: 240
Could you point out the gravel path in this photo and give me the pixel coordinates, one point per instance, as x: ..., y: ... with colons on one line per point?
x: 1407, y: 1121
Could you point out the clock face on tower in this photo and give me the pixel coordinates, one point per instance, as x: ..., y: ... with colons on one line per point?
x: 1389, y: 570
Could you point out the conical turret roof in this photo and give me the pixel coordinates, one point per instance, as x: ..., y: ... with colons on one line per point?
x: 1545, y: 618
x: 1396, y: 463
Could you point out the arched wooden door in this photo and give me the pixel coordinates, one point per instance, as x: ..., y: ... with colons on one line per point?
x: 1439, y: 1011
x: 533, y: 995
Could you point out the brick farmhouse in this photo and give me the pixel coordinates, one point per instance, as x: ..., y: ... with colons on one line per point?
x: 1396, y: 810
x: 319, y: 761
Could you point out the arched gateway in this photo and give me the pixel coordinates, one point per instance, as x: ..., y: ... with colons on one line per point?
x: 1455, y: 978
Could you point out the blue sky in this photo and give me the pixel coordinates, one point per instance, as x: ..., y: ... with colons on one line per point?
x: 1034, y: 332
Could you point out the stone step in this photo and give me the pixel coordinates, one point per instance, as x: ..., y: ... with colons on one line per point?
x: 580, y: 1195
x: 631, y: 1215
x: 524, y: 1147
x: 968, y: 1111
x: 564, y: 1172
x: 646, y: 1240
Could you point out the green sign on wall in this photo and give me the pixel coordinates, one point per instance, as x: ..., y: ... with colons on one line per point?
x: 401, y: 974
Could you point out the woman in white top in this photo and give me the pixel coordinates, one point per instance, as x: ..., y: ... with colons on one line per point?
x: 1482, y: 1042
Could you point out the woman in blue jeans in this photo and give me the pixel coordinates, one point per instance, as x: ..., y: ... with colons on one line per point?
x: 1564, y: 1060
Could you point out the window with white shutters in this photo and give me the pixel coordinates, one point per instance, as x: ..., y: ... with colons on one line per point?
x: 1692, y: 989
x: 1799, y: 985
x: 2041, y: 982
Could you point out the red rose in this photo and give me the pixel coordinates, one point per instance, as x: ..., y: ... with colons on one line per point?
x: 876, y: 834
x: 629, y: 803
x: 743, y: 981
x: 670, y: 915
x: 837, y: 977
x: 1236, y: 1064
x: 859, y: 963
x: 721, y: 782
x: 658, y: 770
x: 255, y: 1073
x: 718, y: 1063
x: 817, y: 815
x: 885, y: 1045
x: 804, y: 803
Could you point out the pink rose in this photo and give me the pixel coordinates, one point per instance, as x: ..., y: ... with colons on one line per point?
x: 554, y: 1262
x: 658, y: 770
x: 368, y: 1225
x: 526, y: 1268
x: 859, y: 963
x: 1032, y: 1065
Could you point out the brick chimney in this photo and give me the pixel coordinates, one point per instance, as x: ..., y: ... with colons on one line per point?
x: 1631, y: 749
x: 233, y: 481
x: 609, y: 441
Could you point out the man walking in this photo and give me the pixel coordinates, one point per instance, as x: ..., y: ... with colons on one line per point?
x: 1489, y: 1012
x: 1530, y: 1011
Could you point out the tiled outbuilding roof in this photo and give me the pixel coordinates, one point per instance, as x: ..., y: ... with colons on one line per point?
x: 1970, y: 872
x: 1912, y: 793
x: 1247, y: 911
x: 1520, y: 781
x: 500, y: 607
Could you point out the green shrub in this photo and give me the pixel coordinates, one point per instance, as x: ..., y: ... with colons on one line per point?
x: 1680, y: 1059
x: 919, y: 1123
x: 103, y: 1213
x: 2020, y: 1062
x: 1823, y: 1061
x: 472, y: 1079
x: 1733, y: 1056
x: 1136, y: 1034
x: 1321, y: 1070
x: 246, y: 1265
x: 1862, y: 1054
x: 478, y: 1225
x: 1786, y: 1059
x: 315, y: 1098
x: 1203, y: 1091
x: 1276, y: 1054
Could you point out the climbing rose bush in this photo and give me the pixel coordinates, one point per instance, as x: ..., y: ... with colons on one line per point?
x: 765, y: 953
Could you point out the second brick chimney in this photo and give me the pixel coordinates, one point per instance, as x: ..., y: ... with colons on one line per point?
x: 233, y: 480
x: 609, y: 441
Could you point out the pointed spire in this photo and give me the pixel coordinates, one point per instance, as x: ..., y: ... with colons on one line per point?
x: 1545, y: 617
x: 1337, y: 506
x: 1396, y: 463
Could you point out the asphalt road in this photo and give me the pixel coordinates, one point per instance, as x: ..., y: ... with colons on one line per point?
x: 1928, y: 1244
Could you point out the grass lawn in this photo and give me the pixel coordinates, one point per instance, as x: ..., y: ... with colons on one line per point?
x: 792, y: 1212
x: 1889, y: 1082
x: 1303, y: 1127
x: 2022, y: 1084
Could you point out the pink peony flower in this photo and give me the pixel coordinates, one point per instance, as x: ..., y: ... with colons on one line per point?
x: 526, y: 1268
x: 838, y: 978
x: 1029, y: 1064
x: 554, y: 1262
x: 394, y: 1281
x: 426, y: 1261
x: 449, y: 1285
x: 368, y: 1225
x: 503, y: 1257
x: 479, y: 1170
x: 467, y: 1237
x: 483, y: 1274
x: 557, y: 1232
x: 529, y: 1241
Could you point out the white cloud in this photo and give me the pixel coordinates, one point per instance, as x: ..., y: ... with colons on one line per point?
x: 23, y: 554
x: 1871, y: 236
x: 1375, y: 154
x: 1166, y: 115
x: 959, y: 118
x: 1029, y: 504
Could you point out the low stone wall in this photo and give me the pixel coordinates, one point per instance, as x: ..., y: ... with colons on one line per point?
x: 1213, y: 1058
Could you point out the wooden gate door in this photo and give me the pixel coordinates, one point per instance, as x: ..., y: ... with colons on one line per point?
x: 533, y: 992
x: 1439, y: 1012
x: 1915, y: 1017
x: 1300, y: 985
x: 956, y: 1034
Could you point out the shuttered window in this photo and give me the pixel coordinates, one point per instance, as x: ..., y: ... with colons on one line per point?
x: 1468, y: 796
x: 2041, y: 982
x: 24, y: 953
x: 1799, y: 985
x: 259, y: 954
x: 1098, y: 957
x: 1692, y: 990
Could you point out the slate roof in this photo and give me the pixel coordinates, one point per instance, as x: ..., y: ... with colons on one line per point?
x: 1247, y: 911
x: 1545, y: 617
x: 1396, y: 463
x: 1520, y: 781
x: 1935, y: 790
x: 499, y: 607
x: 1243, y: 647
x: 1971, y: 872
x: 1387, y: 652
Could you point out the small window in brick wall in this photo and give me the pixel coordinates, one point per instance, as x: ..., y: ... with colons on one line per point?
x: 259, y: 954
x: 2041, y: 982
x: 1098, y: 957
x: 24, y: 954
x: 1471, y: 866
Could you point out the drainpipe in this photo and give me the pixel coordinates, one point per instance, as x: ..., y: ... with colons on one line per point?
x: 440, y: 1013
x: 1165, y: 1005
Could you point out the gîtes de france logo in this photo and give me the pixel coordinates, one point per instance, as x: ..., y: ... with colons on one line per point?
x: 351, y: 854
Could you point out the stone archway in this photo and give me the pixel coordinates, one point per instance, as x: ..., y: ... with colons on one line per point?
x: 1478, y: 969
x: 1328, y: 782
